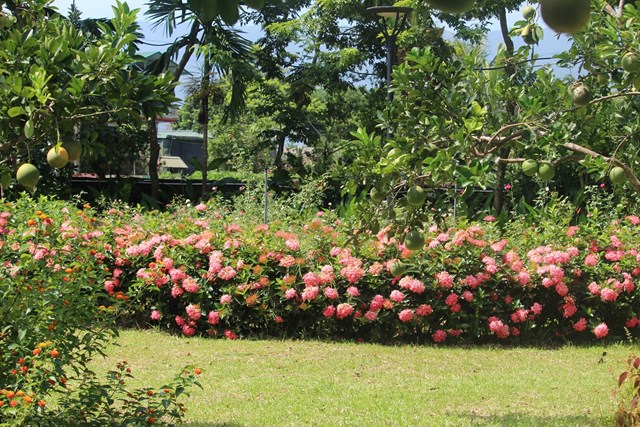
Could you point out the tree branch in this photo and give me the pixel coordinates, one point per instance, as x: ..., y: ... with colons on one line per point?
x: 587, y: 152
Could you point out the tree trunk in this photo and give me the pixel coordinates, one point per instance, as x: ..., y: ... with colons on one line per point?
x: 154, y: 155
x: 204, y: 117
x: 279, y: 153
x: 498, y: 193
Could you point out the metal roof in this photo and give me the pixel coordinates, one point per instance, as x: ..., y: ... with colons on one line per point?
x: 172, y: 162
x: 180, y: 134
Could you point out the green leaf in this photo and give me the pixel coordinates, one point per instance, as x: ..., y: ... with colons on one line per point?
x: 29, y: 128
x: 16, y: 111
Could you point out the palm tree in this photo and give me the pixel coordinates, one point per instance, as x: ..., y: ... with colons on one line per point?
x: 223, y: 50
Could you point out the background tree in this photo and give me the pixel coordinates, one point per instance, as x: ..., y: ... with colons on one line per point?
x: 221, y: 48
x: 462, y: 122
x: 58, y: 85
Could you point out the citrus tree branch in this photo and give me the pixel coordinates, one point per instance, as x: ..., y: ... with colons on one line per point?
x: 587, y: 152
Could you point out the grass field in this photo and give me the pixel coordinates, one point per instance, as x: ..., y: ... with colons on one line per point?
x: 309, y: 383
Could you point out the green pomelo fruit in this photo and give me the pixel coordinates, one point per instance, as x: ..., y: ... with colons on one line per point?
x: 528, y: 12
x: 229, y: 11
x: 452, y: 6
x: 28, y: 176
x: 566, y: 16
x: 546, y: 171
x: 398, y: 268
x: 529, y: 167
x: 414, y: 240
x: 57, y: 157
x: 617, y: 175
x: 603, y: 78
x: 630, y: 62
x: 376, y: 195
x: 581, y: 94
x: 5, y: 180
x: 74, y: 149
x: 416, y: 196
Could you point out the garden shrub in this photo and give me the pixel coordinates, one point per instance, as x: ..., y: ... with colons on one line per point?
x: 202, y: 271
x: 55, y: 317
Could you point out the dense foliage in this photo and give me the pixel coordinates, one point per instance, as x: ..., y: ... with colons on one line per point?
x: 203, y: 270
x: 55, y: 317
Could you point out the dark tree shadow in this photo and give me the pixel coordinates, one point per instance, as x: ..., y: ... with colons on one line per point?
x: 516, y: 419
x: 212, y: 425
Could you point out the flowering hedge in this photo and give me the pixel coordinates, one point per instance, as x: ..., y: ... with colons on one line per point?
x: 206, y: 272
x: 199, y: 270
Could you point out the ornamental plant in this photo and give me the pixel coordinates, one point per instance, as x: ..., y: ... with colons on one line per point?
x: 218, y: 273
x: 55, y: 317
x: 627, y: 394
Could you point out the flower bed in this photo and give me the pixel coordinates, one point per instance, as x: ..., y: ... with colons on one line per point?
x: 202, y: 271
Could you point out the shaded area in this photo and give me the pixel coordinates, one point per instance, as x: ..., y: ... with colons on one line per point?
x: 519, y: 419
x: 213, y: 425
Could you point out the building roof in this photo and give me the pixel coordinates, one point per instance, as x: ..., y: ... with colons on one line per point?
x: 181, y: 134
x: 172, y: 162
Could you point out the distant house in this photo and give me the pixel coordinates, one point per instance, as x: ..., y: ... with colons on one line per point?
x: 184, y: 145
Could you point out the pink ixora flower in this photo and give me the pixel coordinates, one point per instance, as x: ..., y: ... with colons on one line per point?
x: 580, y: 325
x: 424, y: 310
x: 444, y: 279
x: 225, y: 299
x: 310, y: 293
x: 439, y: 336
x: 193, y: 311
x: 201, y: 207
x: 344, y: 310
x: 396, y: 295
x: 230, y: 334
x: 290, y: 293
x: 155, y: 315
x: 371, y: 315
x: 353, y: 291
x: 329, y: 312
x: 601, y: 330
x: 213, y: 317
x: 405, y: 315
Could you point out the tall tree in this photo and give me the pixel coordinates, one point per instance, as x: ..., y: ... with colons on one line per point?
x: 210, y: 36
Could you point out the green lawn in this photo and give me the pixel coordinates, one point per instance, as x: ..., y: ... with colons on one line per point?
x: 308, y: 383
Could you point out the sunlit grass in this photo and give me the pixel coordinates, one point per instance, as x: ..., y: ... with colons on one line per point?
x: 309, y: 383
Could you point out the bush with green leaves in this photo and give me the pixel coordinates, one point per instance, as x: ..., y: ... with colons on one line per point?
x: 55, y: 317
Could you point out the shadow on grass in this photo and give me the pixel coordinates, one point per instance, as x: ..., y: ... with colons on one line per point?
x: 212, y: 425
x: 515, y: 419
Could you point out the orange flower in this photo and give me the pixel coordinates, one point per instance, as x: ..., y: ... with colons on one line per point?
x: 31, y: 222
x: 198, y: 371
x: 19, y: 393
x: 27, y: 399
x: 251, y: 299
x: 54, y: 353
x: 149, y: 392
x: 13, y: 403
x: 41, y: 403
x: 10, y: 394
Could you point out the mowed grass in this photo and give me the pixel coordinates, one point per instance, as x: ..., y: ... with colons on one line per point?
x: 310, y: 383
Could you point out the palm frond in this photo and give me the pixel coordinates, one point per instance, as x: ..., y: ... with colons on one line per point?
x: 169, y: 13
